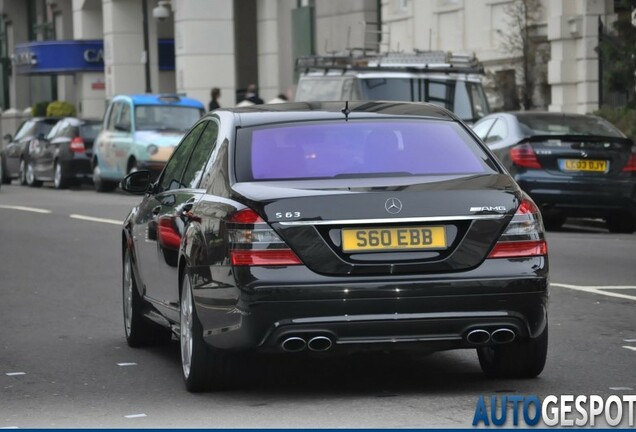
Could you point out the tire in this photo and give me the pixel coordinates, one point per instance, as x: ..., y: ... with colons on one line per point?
x: 31, y: 181
x: 102, y: 185
x: 204, y: 367
x: 621, y: 223
x: 132, y: 166
x: 4, y: 178
x: 524, y: 359
x: 139, y: 330
x: 60, y: 181
x: 22, y: 173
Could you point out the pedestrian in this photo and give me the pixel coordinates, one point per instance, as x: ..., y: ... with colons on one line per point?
x: 252, y: 95
x: 216, y: 95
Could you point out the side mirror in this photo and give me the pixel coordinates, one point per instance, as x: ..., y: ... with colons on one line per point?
x: 137, y: 182
x: 7, y: 137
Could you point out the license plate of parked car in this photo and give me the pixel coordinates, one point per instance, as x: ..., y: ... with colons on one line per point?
x: 589, y: 165
x: 379, y: 239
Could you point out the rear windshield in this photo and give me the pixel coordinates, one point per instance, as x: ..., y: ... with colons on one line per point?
x: 166, y: 117
x: 357, y: 149
x: 538, y: 124
x: 89, y: 131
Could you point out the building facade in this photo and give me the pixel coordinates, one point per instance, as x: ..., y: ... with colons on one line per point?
x: 87, y: 51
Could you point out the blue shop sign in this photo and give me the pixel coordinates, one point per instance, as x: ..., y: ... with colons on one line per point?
x: 70, y: 56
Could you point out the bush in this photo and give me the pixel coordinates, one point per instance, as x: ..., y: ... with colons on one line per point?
x: 39, y: 109
x: 60, y: 109
x: 623, y: 118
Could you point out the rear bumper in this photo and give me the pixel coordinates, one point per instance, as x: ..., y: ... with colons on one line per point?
x: 424, y: 312
x: 590, y: 197
x: 77, y: 168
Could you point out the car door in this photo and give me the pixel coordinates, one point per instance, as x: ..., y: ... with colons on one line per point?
x: 102, y: 147
x: 122, y: 139
x: 147, y: 230
x: 48, y: 149
x: 14, y: 148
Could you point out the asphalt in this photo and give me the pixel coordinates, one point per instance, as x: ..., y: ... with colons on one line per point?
x: 62, y: 328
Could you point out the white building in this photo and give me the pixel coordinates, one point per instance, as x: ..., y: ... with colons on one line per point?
x: 189, y: 46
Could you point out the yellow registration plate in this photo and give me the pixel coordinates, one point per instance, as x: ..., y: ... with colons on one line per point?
x: 588, y: 165
x: 403, y: 238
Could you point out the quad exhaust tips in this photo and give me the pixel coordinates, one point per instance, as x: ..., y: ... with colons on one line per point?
x: 297, y: 344
x: 498, y: 336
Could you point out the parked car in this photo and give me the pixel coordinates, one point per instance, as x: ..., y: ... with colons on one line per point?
x: 140, y: 132
x: 12, y: 162
x: 64, y: 155
x: 571, y: 165
x: 332, y: 228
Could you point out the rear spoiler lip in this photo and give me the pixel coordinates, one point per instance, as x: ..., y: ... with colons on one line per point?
x: 576, y: 138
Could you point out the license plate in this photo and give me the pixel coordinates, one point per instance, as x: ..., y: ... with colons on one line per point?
x: 403, y: 238
x: 587, y: 165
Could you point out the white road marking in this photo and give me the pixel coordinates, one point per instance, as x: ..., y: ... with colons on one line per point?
x: 27, y: 209
x: 621, y: 388
x: 9, y: 427
x: 629, y: 340
x: 629, y: 347
x: 135, y: 415
x: 127, y: 364
x: 15, y: 373
x: 599, y: 290
x: 96, y: 219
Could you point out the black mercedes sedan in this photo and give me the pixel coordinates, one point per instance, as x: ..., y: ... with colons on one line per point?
x: 572, y: 165
x: 320, y: 228
x: 63, y: 156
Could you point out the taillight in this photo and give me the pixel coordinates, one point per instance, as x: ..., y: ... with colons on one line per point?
x: 77, y: 145
x: 631, y: 162
x: 523, y: 155
x: 524, y: 235
x: 254, y: 243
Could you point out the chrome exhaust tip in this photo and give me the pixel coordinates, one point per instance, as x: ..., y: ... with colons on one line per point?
x: 478, y: 337
x: 293, y: 344
x: 319, y: 343
x: 502, y: 336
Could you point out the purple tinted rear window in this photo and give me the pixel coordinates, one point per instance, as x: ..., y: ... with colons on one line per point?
x: 359, y: 149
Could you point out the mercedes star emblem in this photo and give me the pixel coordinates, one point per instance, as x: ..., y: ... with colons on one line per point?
x: 393, y: 205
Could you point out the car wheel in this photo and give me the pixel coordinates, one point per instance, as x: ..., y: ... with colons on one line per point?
x: 204, y: 367
x: 139, y: 330
x: 132, y: 166
x: 523, y: 359
x: 30, y: 176
x: 4, y: 178
x: 22, y: 173
x: 59, y: 177
x: 621, y: 223
x: 102, y: 185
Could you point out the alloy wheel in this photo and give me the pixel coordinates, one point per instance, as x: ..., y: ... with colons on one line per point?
x: 30, y: 175
x: 186, y: 328
x: 22, y: 172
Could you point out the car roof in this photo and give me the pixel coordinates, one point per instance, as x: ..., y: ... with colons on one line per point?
x: 160, y: 99
x: 308, y: 111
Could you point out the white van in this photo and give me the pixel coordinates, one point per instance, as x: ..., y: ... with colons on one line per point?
x: 452, y: 81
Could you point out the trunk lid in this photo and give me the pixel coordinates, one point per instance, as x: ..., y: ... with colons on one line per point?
x: 581, y: 155
x: 396, y: 226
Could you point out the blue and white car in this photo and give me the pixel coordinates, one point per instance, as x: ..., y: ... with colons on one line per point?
x: 140, y: 132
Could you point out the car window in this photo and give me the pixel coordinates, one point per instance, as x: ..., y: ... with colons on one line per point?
x: 88, y: 131
x: 358, y: 149
x: 194, y: 170
x: 388, y: 89
x: 498, y: 132
x: 171, y: 176
x: 124, y: 120
x: 481, y: 129
x: 26, y: 129
x: 43, y: 127
x: 112, y: 115
x: 550, y: 124
x: 165, y: 117
x: 55, y: 131
x: 463, y: 108
x: 319, y: 89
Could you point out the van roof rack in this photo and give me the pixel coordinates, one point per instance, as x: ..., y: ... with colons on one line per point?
x: 418, y: 61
